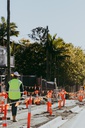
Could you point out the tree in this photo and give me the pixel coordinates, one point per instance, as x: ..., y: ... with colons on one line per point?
x: 40, y: 34
x: 17, y: 46
x: 69, y: 62
x: 3, y: 31
x: 52, y: 50
x: 72, y: 69
x: 31, y: 60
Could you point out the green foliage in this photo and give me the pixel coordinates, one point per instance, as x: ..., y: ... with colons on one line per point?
x: 31, y: 60
x: 3, y: 31
x: 49, y: 57
x: 65, y: 62
x: 73, y: 67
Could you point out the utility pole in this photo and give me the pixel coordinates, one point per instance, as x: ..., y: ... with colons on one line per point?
x: 47, y: 55
x: 8, y: 39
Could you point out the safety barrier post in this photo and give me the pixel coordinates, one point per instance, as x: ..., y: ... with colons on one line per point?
x: 25, y: 93
x: 4, y: 118
x: 63, y: 95
x: 59, y: 100
x: 29, y: 113
x: 26, y: 101
x: 50, y: 108
x: 1, y: 103
x: 59, y: 103
x: 63, y: 100
x: 37, y: 99
x: 36, y: 92
x: 49, y: 105
x: 80, y: 98
x: 80, y: 95
x: 1, y: 106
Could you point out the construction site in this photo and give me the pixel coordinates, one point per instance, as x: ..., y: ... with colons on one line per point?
x: 43, y: 104
x: 42, y: 64
x: 54, y: 109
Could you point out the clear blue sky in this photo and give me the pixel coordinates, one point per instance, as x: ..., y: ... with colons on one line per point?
x: 66, y: 18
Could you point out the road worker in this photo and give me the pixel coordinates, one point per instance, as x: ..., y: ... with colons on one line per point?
x: 15, y: 91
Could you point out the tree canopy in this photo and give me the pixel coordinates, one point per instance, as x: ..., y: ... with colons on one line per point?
x: 49, y: 56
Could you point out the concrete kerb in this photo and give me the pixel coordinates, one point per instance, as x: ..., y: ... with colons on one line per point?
x: 54, y: 123
x: 76, y: 109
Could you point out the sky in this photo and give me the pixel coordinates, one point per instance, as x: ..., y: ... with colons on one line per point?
x: 66, y: 18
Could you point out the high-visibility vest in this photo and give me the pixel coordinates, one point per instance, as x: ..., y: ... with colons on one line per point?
x: 14, y: 89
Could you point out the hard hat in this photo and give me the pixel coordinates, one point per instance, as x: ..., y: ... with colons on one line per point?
x: 16, y: 74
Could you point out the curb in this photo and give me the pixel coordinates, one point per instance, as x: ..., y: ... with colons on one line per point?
x: 55, y: 123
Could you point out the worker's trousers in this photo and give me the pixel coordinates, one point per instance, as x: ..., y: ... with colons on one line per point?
x: 14, y: 108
